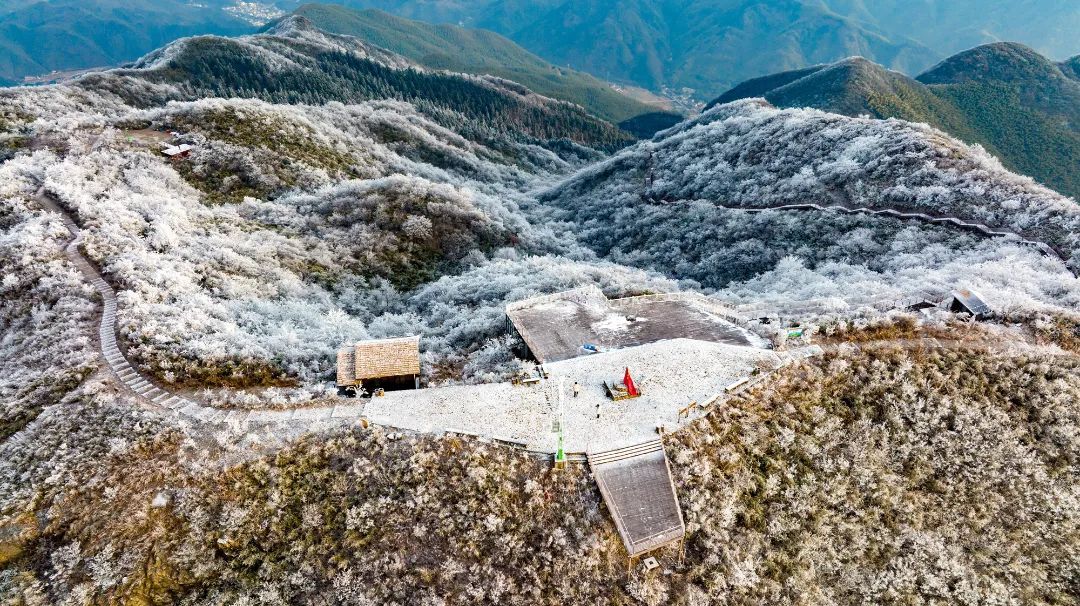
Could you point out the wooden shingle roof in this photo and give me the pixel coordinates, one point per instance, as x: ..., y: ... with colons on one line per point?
x: 346, y: 366
x: 378, y: 358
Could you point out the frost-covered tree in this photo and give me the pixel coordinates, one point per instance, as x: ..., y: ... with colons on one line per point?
x: 674, y: 203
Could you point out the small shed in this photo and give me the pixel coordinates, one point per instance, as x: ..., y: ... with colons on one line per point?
x: 969, y: 302
x: 386, y: 363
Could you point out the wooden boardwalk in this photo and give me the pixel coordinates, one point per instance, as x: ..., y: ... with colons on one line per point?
x: 635, y: 482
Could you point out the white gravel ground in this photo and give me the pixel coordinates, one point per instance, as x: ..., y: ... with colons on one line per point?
x: 670, y: 375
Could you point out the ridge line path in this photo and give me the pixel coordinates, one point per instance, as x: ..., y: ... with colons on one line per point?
x: 1044, y: 248
x: 152, y: 396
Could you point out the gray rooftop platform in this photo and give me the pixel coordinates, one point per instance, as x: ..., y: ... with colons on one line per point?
x: 555, y: 327
x: 635, y: 482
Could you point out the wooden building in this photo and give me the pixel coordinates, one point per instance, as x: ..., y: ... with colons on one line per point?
x: 379, y: 363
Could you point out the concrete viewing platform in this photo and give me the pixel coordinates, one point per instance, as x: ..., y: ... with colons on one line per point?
x: 670, y: 374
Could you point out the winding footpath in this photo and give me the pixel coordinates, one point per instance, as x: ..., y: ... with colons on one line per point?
x: 1042, y: 247
x: 152, y: 396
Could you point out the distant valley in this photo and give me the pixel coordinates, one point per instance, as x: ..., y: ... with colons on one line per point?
x: 39, y: 37
x: 711, y: 45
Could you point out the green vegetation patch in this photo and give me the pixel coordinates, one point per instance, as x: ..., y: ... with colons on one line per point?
x: 1062, y: 330
x: 13, y: 126
x: 473, y: 51
x: 37, y: 395
x: 423, y: 233
x: 230, y: 372
x: 1028, y: 141
x: 264, y: 155
x: 250, y: 130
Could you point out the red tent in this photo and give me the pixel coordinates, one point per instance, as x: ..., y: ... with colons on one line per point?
x: 628, y: 381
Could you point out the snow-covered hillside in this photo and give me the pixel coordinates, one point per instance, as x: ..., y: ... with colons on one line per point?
x: 292, y: 228
x: 672, y: 203
x: 326, y: 194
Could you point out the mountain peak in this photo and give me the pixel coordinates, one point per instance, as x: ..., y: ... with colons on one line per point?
x: 266, y: 47
x: 1004, y: 96
x: 300, y: 28
x: 842, y: 87
x: 291, y: 25
x: 1000, y: 61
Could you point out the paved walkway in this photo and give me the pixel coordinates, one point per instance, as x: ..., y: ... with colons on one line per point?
x: 670, y: 374
x: 717, y: 373
x: 1042, y: 247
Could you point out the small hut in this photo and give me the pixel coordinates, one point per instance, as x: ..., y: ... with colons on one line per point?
x: 379, y: 363
x: 969, y: 302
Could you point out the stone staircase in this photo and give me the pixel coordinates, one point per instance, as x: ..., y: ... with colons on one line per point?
x: 153, y: 396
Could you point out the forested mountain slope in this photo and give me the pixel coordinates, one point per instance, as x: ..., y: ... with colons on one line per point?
x: 1019, y: 105
x: 673, y: 202
x: 853, y: 87
x: 39, y: 37
x: 297, y: 63
x: 474, y: 51
x: 1071, y: 67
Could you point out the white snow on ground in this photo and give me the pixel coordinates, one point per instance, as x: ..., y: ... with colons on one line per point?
x: 611, y: 323
x: 670, y: 374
